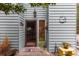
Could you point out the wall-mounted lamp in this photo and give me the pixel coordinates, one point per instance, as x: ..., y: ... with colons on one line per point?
x: 34, y: 13
x: 21, y: 24
x: 62, y: 19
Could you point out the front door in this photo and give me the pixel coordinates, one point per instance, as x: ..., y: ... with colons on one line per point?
x: 30, y: 34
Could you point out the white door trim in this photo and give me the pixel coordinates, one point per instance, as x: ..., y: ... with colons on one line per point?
x: 37, y: 29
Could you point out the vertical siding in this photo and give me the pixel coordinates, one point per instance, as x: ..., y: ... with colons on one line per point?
x: 9, y: 26
x: 59, y: 32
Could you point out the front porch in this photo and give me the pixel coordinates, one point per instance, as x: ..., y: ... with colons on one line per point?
x: 5, y: 50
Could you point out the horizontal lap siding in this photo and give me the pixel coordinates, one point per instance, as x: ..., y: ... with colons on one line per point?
x: 9, y: 26
x: 21, y: 32
x: 59, y: 32
x: 41, y: 13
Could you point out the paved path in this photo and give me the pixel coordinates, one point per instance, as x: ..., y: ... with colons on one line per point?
x: 33, y: 51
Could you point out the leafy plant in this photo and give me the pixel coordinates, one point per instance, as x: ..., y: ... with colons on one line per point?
x: 9, y: 7
x: 41, y: 4
x: 66, y: 45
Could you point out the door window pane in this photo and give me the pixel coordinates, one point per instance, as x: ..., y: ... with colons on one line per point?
x: 42, y: 33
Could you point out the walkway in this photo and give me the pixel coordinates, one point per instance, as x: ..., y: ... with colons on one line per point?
x: 33, y: 51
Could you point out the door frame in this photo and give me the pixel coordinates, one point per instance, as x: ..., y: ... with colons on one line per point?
x: 37, y: 29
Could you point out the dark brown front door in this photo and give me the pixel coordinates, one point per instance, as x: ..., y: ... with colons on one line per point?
x: 30, y: 33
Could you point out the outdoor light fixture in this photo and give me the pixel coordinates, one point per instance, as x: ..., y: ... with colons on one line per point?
x: 21, y: 24
x: 34, y: 13
x: 62, y: 19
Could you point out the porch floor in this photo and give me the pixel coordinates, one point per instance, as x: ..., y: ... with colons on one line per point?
x: 33, y: 51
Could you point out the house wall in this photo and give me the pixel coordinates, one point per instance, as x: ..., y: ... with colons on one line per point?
x: 41, y: 13
x: 21, y: 31
x: 60, y: 32
x: 9, y: 26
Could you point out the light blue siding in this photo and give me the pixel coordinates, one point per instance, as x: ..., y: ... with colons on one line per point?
x: 40, y: 13
x: 21, y: 32
x: 60, y: 32
x: 9, y: 26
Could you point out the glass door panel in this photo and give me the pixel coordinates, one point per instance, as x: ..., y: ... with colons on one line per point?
x: 42, y: 33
